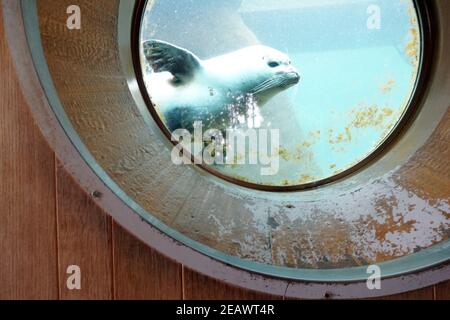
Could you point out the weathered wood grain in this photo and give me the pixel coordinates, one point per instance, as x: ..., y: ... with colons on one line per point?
x: 421, y: 294
x: 140, y: 272
x: 442, y: 291
x: 84, y: 239
x: 28, y: 263
x: 200, y: 287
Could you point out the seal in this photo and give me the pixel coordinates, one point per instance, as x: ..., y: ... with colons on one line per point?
x: 186, y: 89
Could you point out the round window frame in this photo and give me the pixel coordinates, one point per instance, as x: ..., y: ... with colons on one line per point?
x: 428, y: 36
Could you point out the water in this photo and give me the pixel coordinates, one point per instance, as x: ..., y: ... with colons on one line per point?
x: 358, y: 61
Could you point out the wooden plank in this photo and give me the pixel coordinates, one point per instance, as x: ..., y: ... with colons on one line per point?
x: 200, y: 287
x: 84, y: 239
x: 421, y: 294
x: 442, y: 291
x: 140, y: 272
x: 28, y: 267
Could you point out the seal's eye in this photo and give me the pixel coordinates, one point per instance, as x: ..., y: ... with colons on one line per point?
x: 273, y: 64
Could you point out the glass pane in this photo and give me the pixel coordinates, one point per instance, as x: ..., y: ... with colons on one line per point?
x: 309, y: 87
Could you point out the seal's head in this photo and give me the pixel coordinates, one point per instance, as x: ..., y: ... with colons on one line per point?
x: 257, y: 70
x: 272, y: 72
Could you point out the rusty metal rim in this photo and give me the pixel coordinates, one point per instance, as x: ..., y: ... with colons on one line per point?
x: 428, y: 32
x: 114, y: 201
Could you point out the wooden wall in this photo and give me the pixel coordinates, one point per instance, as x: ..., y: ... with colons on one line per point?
x: 47, y: 223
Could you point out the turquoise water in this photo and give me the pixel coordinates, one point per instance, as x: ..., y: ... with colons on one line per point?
x: 356, y: 79
x: 330, y: 102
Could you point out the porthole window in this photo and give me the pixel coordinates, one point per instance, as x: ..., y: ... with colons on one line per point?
x: 313, y: 87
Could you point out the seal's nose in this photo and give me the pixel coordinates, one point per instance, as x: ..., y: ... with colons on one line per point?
x: 295, y: 75
x: 293, y: 72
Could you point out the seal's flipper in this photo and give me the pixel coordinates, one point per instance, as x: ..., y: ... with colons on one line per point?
x: 163, y: 56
